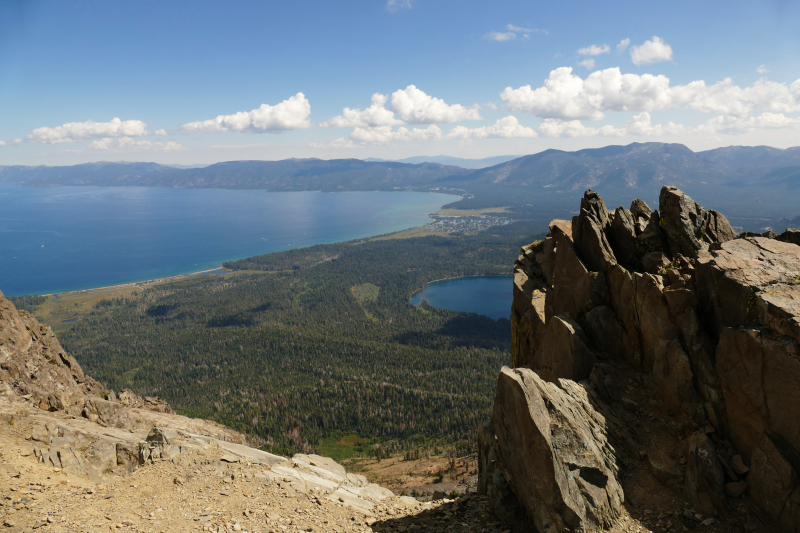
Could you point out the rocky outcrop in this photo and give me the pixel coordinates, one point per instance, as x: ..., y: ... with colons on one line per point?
x: 547, y: 450
x: 708, y: 319
x: 33, y: 363
x: 152, y: 403
x: 89, y: 431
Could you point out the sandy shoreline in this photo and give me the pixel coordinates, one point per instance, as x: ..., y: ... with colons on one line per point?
x: 136, y: 283
x: 182, y: 276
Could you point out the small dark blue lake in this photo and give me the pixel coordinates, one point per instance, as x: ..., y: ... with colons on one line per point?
x: 486, y: 295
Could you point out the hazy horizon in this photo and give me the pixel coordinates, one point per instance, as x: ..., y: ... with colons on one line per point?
x: 370, y: 159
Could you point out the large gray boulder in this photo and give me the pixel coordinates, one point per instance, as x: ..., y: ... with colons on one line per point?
x: 547, y: 446
x: 689, y: 228
x: 105, y: 413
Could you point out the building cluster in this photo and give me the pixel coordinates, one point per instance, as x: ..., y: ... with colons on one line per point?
x: 465, y: 224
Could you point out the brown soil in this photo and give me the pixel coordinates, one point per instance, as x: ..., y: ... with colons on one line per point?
x: 421, y: 475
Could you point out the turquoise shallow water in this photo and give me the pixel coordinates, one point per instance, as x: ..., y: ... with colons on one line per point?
x: 71, y: 238
x: 485, y: 295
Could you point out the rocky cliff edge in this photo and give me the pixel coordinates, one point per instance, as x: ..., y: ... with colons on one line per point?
x: 655, y: 363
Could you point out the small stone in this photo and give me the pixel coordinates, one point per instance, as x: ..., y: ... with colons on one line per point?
x: 707, y: 522
x: 709, y: 430
x: 736, y: 488
x: 225, y: 492
x: 630, y: 405
x: 738, y: 465
x: 9, y: 523
x: 229, y: 458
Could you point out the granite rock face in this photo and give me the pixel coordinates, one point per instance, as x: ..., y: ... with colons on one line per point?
x: 710, y: 319
x: 547, y: 446
x: 32, y: 362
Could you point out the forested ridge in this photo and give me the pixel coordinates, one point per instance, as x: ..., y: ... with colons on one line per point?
x: 296, y: 346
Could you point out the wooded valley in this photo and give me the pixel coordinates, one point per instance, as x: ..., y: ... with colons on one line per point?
x: 298, y: 346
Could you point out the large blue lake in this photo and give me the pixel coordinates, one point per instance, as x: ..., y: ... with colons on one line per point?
x: 485, y: 295
x: 71, y: 238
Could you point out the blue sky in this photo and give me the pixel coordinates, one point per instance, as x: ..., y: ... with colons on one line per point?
x: 200, y: 82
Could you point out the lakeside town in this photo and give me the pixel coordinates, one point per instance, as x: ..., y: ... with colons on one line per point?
x: 467, y: 225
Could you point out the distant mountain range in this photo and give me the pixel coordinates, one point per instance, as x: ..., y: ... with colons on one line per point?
x: 646, y: 165
x: 734, y: 177
x: 285, y: 175
x: 452, y: 161
x: 738, y: 180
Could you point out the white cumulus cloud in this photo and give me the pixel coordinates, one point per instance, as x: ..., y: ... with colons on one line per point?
x: 505, y: 128
x: 762, y: 69
x: 552, y: 127
x: 641, y: 125
x: 129, y: 144
x: 291, y: 114
x: 394, y: 5
x: 80, y: 131
x: 512, y: 32
x: 651, y: 52
x: 738, y: 125
x: 728, y: 99
x: 384, y: 135
x: 415, y: 107
x: 594, y: 50
x: 10, y: 143
x: 623, y: 45
x: 160, y: 132
x: 567, y: 96
x: 501, y: 35
x: 588, y: 63
x: 409, y: 105
x: 374, y: 115
x: 519, y: 29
